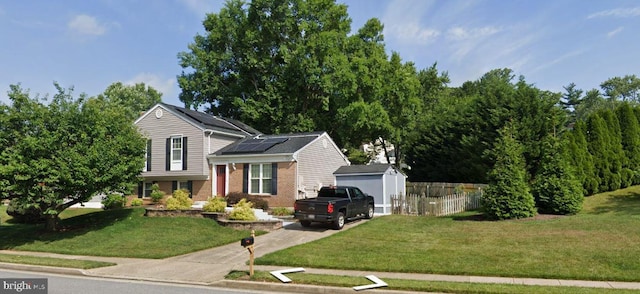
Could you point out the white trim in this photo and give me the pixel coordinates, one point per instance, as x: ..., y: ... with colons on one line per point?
x: 250, y: 158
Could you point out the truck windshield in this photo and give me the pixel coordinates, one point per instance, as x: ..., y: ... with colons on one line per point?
x: 333, y: 193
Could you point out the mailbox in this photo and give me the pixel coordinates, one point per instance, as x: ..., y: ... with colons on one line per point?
x: 246, y: 241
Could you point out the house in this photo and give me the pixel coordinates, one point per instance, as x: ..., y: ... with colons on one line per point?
x: 178, y: 142
x: 281, y: 168
x: 214, y: 156
x: 378, y: 180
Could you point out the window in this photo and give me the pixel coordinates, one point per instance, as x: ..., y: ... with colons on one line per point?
x: 176, y: 153
x: 260, y: 181
x: 178, y: 185
x: 147, y: 154
x: 147, y: 189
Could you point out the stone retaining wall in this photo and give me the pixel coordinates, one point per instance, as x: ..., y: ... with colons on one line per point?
x: 260, y: 225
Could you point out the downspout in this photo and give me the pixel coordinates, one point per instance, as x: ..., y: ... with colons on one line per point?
x: 211, y: 168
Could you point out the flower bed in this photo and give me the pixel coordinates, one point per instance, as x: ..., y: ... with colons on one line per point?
x: 262, y: 225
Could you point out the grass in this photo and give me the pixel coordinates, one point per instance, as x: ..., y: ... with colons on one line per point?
x: 57, y: 262
x: 423, y: 286
x: 118, y: 233
x: 600, y: 243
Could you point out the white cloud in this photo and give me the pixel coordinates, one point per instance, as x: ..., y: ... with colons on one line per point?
x: 614, y: 32
x: 460, y: 33
x: 618, y: 12
x: 412, y: 32
x: 165, y: 86
x: 557, y: 60
x: 86, y: 25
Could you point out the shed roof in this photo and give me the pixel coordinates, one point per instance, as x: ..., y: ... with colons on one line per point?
x: 363, y: 169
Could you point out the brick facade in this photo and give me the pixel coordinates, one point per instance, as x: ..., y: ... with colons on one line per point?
x: 287, y: 190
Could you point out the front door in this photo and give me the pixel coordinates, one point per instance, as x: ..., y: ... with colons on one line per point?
x: 220, y: 179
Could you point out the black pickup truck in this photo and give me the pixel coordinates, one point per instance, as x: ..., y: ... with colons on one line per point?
x: 334, y: 205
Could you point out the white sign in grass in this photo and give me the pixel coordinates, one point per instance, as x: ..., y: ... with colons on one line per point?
x: 280, y: 274
x: 378, y: 283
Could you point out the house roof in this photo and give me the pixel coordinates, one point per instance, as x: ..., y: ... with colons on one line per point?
x: 209, y: 121
x: 270, y: 144
x: 363, y: 169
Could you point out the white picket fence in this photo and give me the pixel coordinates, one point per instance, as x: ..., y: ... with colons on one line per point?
x: 414, y: 204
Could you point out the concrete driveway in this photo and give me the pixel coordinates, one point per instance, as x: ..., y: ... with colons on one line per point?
x: 211, y: 265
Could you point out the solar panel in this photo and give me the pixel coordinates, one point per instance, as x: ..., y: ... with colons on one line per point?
x: 255, y: 145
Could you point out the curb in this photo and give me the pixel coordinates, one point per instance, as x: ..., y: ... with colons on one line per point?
x: 298, y: 288
x: 42, y: 269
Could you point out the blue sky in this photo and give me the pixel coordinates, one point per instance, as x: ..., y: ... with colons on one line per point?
x: 92, y: 44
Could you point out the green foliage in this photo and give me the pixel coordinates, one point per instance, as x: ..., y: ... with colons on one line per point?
x: 61, y: 152
x: 136, y: 202
x: 555, y: 188
x: 156, y: 194
x: 281, y: 211
x: 23, y: 213
x: 295, y: 66
x: 242, y: 211
x: 257, y: 201
x: 215, y: 204
x: 581, y: 159
x: 113, y: 201
x: 508, y: 196
x: 133, y: 99
x: 179, y: 200
x: 630, y: 139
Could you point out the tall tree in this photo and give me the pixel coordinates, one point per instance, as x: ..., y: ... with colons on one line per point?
x: 555, y: 188
x: 508, y: 194
x: 625, y: 88
x: 570, y: 101
x: 292, y: 66
x: 598, y: 139
x: 64, y: 152
x: 134, y: 99
x: 581, y: 159
x: 630, y: 140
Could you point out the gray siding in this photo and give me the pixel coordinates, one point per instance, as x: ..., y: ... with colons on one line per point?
x: 316, y: 164
x: 158, y: 130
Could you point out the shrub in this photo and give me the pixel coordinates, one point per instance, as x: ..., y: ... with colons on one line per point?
x: 179, y: 200
x: 113, y: 201
x: 136, y: 202
x: 23, y: 213
x: 258, y: 201
x: 242, y: 211
x: 215, y: 204
x: 282, y: 211
x: 156, y: 194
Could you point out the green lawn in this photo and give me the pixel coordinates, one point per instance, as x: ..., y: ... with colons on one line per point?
x: 601, y: 243
x: 118, y: 233
x: 57, y: 262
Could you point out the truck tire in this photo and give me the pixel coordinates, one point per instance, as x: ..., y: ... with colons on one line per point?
x: 305, y: 223
x: 338, y: 224
x: 370, y: 211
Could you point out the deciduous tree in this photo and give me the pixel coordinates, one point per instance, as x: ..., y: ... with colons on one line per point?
x: 63, y: 152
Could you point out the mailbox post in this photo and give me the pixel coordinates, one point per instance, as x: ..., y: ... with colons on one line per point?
x: 248, y: 243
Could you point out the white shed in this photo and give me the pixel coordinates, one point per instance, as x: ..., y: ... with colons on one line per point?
x: 378, y: 180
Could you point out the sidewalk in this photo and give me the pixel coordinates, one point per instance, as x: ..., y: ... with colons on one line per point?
x: 209, y: 267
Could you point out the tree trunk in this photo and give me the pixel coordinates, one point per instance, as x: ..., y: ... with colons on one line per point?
x: 51, y: 224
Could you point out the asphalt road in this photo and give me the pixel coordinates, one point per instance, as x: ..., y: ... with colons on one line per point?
x: 59, y: 284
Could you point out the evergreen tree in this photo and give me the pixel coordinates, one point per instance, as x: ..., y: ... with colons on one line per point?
x: 507, y: 195
x: 555, y: 188
x: 598, y: 143
x: 614, y: 152
x: 581, y: 159
x: 630, y: 135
